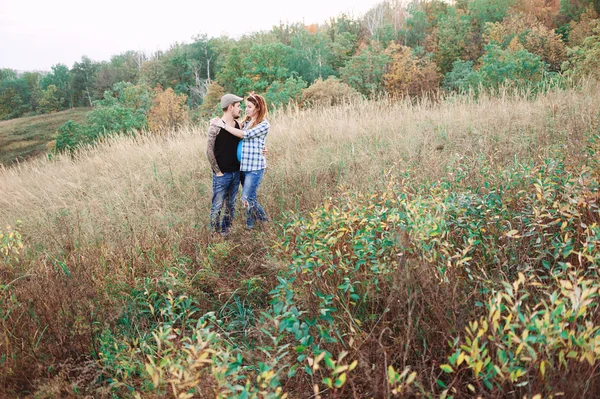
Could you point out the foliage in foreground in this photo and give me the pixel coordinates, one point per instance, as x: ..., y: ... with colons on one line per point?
x: 490, y: 273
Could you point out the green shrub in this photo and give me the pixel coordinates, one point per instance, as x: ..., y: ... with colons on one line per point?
x: 583, y: 60
x: 70, y: 135
x: 518, y: 67
x: 282, y: 93
x: 11, y: 242
x: 533, y: 334
x: 329, y: 92
x: 462, y: 77
x: 122, y: 110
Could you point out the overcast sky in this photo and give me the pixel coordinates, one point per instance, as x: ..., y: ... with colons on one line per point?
x: 36, y: 34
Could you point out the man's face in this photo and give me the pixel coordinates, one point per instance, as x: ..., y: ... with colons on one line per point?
x: 236, y: 110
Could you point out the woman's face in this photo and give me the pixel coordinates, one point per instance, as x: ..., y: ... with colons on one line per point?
x: 250, y: 109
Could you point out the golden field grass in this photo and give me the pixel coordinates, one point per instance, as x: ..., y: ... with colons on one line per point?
x: 101, y: 223
x: 153, y: 184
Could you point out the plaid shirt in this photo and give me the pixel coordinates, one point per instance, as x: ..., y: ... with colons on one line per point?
x: 252, y: 146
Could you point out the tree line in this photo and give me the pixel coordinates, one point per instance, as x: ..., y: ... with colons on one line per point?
x: 396, y: 49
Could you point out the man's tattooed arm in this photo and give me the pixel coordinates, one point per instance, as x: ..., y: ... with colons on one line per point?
x: 213, y: 131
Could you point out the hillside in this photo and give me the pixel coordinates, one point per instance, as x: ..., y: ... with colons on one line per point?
x: 27, y: 137
x: 416, y: 249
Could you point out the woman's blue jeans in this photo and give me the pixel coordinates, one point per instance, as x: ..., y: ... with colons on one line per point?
x: 250, y: 183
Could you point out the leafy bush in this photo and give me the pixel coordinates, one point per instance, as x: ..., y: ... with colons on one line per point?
x: 583, y: 60
x: 408, y: 75
x: 48, y: 101
x: 168, y: 111
x: 211, y: 106
x: 361, y: 265
x: 11, y: 243
x: 583, y: 28
x: 70, y: 135
x: 123, y: 110
x: 329, y: 92
x: 181, y: 354
x: 531, y: 34
x: 282, y: 93
x: 364, y: 72
x: 462, y: 77
x: 534, y: 333
x: 515, y: 67
x: 11, y: 104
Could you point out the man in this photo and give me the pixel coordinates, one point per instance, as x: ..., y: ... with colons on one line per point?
x: 221, y: 151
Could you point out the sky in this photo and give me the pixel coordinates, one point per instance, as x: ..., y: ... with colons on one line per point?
x: 36, y: 34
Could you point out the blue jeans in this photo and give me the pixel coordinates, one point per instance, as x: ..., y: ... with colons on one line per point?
x: 250, y: 182
x: 225, y: 190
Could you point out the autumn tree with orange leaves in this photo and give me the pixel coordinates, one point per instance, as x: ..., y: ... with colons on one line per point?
x: 168, y: 110
x: 409, y: 75
x: 531, y: 34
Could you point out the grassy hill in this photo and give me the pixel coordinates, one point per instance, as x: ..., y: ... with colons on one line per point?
x: 429, y: 250
x: 27, y: 137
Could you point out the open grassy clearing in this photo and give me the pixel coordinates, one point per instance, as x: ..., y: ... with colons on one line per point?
x: 395, y: 227
x: 24, y: 138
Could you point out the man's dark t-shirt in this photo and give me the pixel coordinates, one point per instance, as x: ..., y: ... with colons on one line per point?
x: 226, y: 151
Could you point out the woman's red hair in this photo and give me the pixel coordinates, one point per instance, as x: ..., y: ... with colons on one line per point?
x: 261, y: 108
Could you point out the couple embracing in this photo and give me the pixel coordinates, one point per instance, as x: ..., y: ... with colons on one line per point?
x: 236, y: 155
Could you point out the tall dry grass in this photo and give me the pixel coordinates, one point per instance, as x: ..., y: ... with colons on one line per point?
x: 95, y: 222
x: 140, y: 186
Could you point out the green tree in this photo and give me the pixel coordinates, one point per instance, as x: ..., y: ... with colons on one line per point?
x: 16, y: 97
x: 364, y: 72
x: 454, y: 39
x: 60, y: 77
x: 203, y: 66
x: 122, y: 110
x: 462, y: 77
x: 153, y: 70
x: 280, y: 94
x: 341, y: 49
x: 124, y: 67
x: 310, y: 56
x: 48, y: 100
x: 11, y: 104
x: 211, y: 106
x: 83, y: 75
x: 345, y: 24
x: 31, y: 93
x: 7, y: 74
x: 232, y: 70
x: 386, y: 34
x: 267, y: 63
x: 583, y: 60
x: 417, y: 26
x: 484, y: 11
x: 70, y: 135
x: 517, y: 67
x: 177, y: 68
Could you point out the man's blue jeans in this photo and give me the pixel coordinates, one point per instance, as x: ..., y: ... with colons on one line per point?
x: 225, y: 189
x: 250, y: 182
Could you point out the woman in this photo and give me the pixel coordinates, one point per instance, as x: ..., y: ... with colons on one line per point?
x: 252, y: 161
